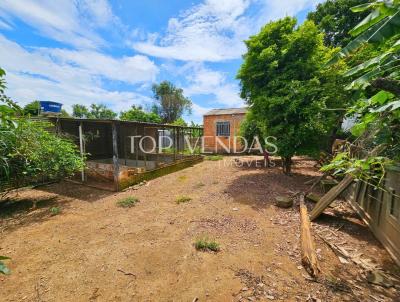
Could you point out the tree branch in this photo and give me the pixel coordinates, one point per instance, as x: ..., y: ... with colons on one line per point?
x: 387, y: 84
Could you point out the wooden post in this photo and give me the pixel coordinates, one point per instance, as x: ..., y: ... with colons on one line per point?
x: 81, y: 147
x: 308, y: 255
x: 115, y: 155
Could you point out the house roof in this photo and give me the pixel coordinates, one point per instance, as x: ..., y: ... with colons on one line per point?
x: 227, y: 111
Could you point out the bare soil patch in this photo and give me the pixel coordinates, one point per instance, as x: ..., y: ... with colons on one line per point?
x: 94, y: 250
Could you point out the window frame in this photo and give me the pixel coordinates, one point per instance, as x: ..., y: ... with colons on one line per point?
x: 220, y: 131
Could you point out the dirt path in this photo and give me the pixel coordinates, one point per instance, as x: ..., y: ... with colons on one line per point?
x: 96, y: 251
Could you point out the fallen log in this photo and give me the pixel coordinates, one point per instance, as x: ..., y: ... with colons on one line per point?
x: 329, y: 197
x: 308, y: 255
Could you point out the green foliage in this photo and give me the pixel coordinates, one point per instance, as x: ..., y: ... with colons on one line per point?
x: 171, y: 103
x: 205, y: 244
x: 179, y: 122
x: 370, y: 169
x: 375, y: 78
x: 288, y: 90
x: 183, y: 199
x: 335, y: 19
x: 32, y: 154
x: 55, y: 211
x: 214, y: 157
x: 94, y: 112
x: 251, y: 128
x: 128, y: 202
x: 28, y: 152
x: 32, y: 108
x: 136, y: 113
x: 3, y: 268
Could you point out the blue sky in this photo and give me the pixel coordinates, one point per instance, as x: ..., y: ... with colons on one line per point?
x: 111, y: 52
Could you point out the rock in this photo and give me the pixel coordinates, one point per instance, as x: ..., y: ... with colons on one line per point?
x: 270, y: 297
x: 283, y: 202
x: 313, y: 197
x: 235, y: 209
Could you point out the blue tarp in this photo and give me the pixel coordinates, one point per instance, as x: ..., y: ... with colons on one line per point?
x: 47, y: 106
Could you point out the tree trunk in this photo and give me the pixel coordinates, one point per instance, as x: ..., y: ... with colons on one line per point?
x: 387, y: 84
x: 287, y: 164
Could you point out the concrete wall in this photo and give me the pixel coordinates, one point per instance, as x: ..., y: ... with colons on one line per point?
x: 210, y: 138
x: 380, y: 209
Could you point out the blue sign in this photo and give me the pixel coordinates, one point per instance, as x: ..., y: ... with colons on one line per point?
x: 52, y: 107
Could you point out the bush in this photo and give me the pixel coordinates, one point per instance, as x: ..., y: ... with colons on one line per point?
x: 30, y: 154
x: 204, y: 244
x: 127, y: 202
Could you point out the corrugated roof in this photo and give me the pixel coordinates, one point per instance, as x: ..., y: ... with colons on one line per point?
x: 227, y: 111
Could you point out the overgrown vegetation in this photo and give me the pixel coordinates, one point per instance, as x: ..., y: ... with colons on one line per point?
x: 375, y: 80
x: 29, y: 152
x: 206, y: 244
x: 127, y: 202
x: 183, y: 199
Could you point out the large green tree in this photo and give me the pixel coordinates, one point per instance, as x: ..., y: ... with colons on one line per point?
x: 136, y: 113
x: 335, y: 19
x: 95, y: 111
x: 170, y: 104
x: 287, y: 89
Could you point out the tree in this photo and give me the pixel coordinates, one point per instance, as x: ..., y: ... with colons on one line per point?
x: 287, y: 89
x: 171, y: 104
x: 335, y: 19
x: 94, y: 112
x: 179, y: 122
x: 252, y: 128
x: 136, y: 113
x: 32, y: 108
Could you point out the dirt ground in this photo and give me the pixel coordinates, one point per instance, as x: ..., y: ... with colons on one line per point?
x: 94, y: 250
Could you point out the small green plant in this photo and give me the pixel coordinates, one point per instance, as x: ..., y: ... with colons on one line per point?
x: 3, y: 268
x: 55, y: 211
x: 183, y: 199
x: 214, y: 157
x: 128, y: 202
x: 182, y: 178
x: 205, y: 244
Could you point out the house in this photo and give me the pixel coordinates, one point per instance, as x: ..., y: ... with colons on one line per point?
x: 221, y: 126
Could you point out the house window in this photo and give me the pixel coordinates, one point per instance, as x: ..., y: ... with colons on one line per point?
x: 223, y: 129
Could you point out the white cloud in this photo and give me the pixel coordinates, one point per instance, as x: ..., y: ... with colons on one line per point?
x: 71, y: 77
x: 70, y: 22
x: 215, y: 30
x: 131, y: 69
x: 204, y: 81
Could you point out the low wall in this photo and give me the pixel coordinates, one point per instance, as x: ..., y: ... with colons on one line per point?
x: 380, y: 209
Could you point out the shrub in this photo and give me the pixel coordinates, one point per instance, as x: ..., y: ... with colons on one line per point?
x: 127, y: 202
x: 205, y: 244
x: 183, y: 199
x: 31, y: 154
x: 55, y: 211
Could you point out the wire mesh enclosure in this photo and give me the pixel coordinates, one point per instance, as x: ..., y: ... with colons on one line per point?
x: 122, y: 153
